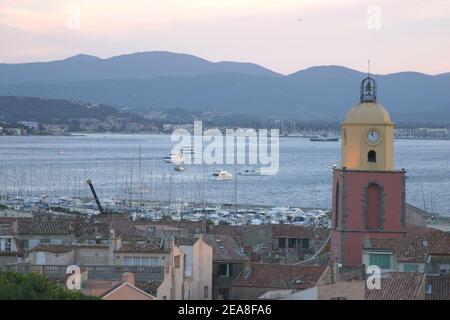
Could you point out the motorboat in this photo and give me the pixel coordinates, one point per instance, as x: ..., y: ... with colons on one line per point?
x: 179, y: 168
x: 324, y: 138
x: 250, y: 172
x: 222, y: 175
x: 174, y: 157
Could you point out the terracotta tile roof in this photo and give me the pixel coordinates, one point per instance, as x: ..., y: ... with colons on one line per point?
x: 225, y: 248
x: 193, y: 227
x: 142, y: 248
x: 53, y: 248
x: 47, y: 227
x: 108, y: 217
x: 291, y: 231
x: 438, y: 287
x: 279, y: 276
x: 91, y: 231
x: 186, y: 241
x: 406, y: 250
x: 126, y: 230
x: 82, y: 228
x: 8, y: 253
x: 8, y: 219
x: 437, y: 241
x: 150, y: 287
x: 90, y: 246
x: 397, y: 286
x: 235, y: 231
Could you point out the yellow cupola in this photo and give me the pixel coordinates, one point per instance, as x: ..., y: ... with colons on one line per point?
x: 368, y: 133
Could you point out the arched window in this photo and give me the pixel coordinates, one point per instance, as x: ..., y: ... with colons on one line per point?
x: 372, y: 156
x: 373, y: 213
x: 336, y: 207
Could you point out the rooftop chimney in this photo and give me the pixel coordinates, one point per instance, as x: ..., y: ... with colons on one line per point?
x: 128, y: 277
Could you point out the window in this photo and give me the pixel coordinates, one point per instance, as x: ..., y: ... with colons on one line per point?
x: 444, y: 268
x: 140, y: 261
x: 411, y: 267
x: 291, y: 243
x: 55, y: 241
x: 188, y: 270
x: 373, y: 212
x: 205, y: 292
x: 282, y: 243
x: 371, y: 156
x: 5, y: 244
x: 382, y: 260
x: 305, y: 243
x: 224, y: 270
x: 177, y: 261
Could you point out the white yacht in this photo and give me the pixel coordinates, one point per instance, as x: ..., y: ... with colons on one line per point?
x: 221, y: 175
x: 174, y: 157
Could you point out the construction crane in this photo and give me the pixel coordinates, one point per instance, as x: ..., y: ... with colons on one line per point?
x: 100, y: 208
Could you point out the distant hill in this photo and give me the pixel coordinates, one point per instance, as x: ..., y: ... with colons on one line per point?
x: 136, y: 65
x: 14, y: 109
x: 437, y: 116
x: 162, y: 80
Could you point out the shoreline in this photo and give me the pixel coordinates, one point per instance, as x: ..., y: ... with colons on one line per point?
x: 84, y: 134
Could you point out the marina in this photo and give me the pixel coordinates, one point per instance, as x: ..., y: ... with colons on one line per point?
x: 130, y: 167
x: 156, y: 211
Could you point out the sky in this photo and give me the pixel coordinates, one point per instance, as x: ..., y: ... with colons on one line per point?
x: 283, y: 35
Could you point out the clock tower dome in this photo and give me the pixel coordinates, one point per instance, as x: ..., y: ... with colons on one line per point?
x: 368, y: 193
x: 368, y: 133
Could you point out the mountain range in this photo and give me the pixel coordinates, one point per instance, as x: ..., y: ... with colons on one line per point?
x: 164, y: 80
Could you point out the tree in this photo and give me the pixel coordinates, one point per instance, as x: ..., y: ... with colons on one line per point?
x: 33, y: 286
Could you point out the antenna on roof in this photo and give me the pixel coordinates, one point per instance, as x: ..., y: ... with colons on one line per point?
x: 368, y: 68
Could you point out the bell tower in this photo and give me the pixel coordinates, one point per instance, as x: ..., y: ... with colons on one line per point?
x: 368, y: 193
x: 368, y: 133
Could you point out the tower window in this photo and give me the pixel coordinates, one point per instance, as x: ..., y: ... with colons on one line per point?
x: 373, y: 219
x: 372, y: 156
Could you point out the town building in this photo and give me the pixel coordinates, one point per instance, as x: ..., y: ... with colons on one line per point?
x: 227, y: 263
x: 269, y: 281
x: 10, y: 250
x: 56, y: 129
x: 31, y: 125
x: 124, y: 290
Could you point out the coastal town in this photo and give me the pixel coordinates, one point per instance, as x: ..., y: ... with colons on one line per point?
x: 227, y: 158
x: 200, y: 252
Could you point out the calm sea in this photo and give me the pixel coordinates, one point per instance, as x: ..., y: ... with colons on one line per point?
x: 59, y: 166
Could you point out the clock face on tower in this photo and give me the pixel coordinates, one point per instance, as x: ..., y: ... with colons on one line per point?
x: 373, y: 136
